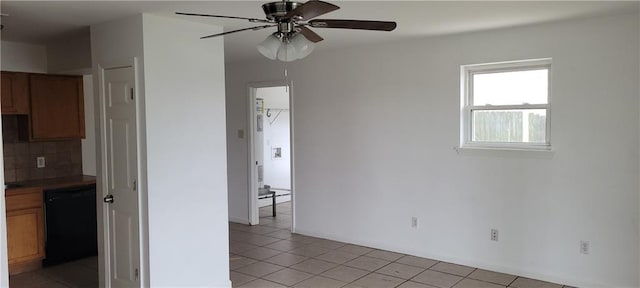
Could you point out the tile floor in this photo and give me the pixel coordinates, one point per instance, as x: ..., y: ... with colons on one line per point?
x: 269, y: 255
x: 80, y: 273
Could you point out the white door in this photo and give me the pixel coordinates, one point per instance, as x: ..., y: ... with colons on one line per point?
x: 122, y: 197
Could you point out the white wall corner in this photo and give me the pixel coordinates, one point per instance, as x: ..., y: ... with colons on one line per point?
x: 184, y: 78
x: 638, y: 26
x: 70, y: 55
x: 115, y: 44
x: 89, y: 165
x: 21, y: 57
x: 4, y: 257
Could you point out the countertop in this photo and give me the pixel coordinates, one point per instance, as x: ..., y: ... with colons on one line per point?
x: 54, y: 183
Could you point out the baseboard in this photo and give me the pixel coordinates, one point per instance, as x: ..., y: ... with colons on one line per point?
x: 225, y: 285
x: 239, y: 221
x: 455, y: 260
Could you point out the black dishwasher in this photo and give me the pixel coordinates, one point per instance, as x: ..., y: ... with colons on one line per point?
x: 71, y: 229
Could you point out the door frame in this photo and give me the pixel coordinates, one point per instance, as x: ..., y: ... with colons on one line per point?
x: 104, y: 261
x: 4, y: 254
x: 252, y: 205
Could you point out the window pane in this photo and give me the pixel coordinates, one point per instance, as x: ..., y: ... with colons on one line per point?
x: 511, y: 88
x: 510, y: 126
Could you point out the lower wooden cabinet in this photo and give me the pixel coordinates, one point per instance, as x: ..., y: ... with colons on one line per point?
x: 25, y: 229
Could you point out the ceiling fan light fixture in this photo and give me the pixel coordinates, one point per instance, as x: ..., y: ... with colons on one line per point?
x: 302, y: 45
x: 269, y: 47
x: 287, y: 52
x: 293, y: 39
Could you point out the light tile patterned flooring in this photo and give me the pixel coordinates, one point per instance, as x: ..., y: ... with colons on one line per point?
x: 81, y: 273
x: 269, y: 255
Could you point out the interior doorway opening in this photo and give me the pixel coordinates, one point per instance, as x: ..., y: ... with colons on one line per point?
x: 270, y: 148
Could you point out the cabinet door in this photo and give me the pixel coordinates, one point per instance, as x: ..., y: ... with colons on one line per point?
x: 15, y: 93
x: 7, y: 97
x: 25, y: 235
x: 57, y: 109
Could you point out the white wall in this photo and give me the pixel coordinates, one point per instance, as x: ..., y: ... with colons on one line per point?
x: 71, y: 54
x: 180, y: 86
x: 20, y: 57
x: 186, y: 151
x: 276, y: 97
x: 89, y: 143
x: 403, y: 99
x: 277, y: 171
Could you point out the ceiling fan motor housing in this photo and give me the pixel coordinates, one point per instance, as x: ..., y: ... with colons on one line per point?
x: 293, y: 38
x: 277, y: 10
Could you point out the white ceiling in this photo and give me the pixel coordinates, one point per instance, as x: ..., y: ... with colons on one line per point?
x: 40, y: 22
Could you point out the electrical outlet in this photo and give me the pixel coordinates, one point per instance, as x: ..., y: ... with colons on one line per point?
x: 414, y: 222
x: 584, y: 247
x: 40, y: 163
x: 494, y: 235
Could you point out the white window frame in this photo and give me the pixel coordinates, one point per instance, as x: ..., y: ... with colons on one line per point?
x: 467, y: 72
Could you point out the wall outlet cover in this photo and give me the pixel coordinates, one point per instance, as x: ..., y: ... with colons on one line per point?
x: 584, y: 247
x: 494, y: 235
x: 40, y: 162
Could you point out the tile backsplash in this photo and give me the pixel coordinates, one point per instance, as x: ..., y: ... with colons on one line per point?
x: 62, y: 158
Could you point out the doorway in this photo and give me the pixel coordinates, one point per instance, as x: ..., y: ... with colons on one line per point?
x: 270, y: 147
x: 120, y: 210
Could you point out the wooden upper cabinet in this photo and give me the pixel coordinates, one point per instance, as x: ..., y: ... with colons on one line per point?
x: 15, y: 93
x: 57, y: 107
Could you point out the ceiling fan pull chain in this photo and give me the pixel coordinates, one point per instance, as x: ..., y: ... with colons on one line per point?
x: 286, y: 78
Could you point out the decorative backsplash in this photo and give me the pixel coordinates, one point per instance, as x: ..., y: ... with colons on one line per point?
x: 62, y: 158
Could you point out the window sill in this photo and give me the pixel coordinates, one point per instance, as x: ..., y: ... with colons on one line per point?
x: 529, y: 152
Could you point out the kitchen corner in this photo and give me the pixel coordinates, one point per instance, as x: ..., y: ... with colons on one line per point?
x: 34, y: 236
x: 50, y: 204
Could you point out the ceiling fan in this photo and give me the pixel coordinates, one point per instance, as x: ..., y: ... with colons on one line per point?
x: 293, y: 38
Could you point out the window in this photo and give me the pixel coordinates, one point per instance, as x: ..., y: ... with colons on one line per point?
x: 506, y: 105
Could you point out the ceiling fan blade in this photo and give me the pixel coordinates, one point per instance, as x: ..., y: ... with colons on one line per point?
x: 310, y: 35
x: 239, y: 30
x: 222, y: 16
x: 353, y: 24
x: 311, y: 9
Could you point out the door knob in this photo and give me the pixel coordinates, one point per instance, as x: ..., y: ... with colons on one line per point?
x: 108, y: 199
